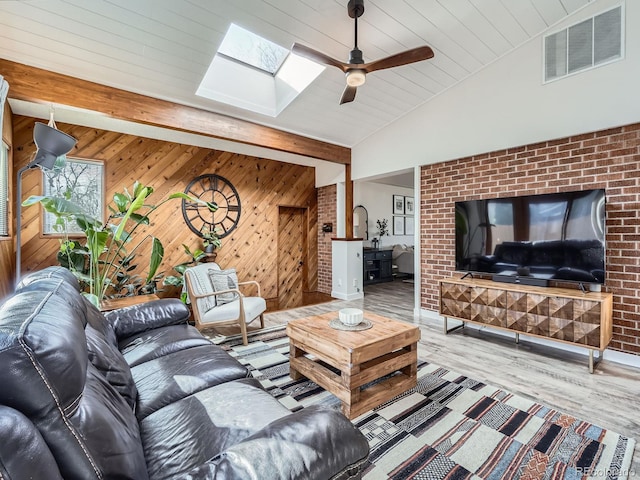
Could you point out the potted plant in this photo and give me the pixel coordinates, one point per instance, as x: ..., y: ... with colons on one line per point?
x: 210, y: 240
x: 104, y: 262
x: 382, y: 231
x: 195, y: 258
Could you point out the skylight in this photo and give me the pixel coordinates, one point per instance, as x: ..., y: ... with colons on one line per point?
x: 247, y: 47
x: 253, y: 73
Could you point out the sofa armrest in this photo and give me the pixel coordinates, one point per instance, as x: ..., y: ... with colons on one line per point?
x: 147, y: 316
x: 312, y: 443
x: 404, y: 262
x: 23, y: 452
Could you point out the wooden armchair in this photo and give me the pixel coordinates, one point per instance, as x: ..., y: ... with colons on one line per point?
x: 222, y: 306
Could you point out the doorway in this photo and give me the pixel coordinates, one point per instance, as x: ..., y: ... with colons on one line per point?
x: 292, y: 256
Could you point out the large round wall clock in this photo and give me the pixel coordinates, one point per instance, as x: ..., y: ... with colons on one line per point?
x: 217, y: 189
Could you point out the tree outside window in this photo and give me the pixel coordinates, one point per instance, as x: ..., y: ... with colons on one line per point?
x: 80, y: 181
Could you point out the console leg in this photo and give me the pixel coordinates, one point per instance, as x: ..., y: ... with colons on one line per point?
x: 449, y: 330
x: 594, y: 363
x: 517, y: 338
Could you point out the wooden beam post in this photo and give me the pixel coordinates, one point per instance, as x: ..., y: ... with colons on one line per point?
x: 42, y: 86
x: 348, y: 202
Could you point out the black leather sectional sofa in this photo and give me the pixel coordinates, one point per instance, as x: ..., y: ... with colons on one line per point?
x: 138, y: 393
x: 577, y: 260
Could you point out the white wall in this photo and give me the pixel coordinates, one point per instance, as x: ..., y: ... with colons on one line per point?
x: 377, y: 199
x: 506, y: 105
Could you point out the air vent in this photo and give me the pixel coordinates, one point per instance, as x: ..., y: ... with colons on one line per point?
x: 585, y: 45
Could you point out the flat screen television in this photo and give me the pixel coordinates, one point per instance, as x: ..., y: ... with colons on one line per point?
x: 558, y: 236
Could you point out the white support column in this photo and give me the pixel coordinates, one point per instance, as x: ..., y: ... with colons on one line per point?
x: 347, y: 269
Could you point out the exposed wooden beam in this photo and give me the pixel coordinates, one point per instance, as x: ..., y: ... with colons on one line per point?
x: 43, y: 86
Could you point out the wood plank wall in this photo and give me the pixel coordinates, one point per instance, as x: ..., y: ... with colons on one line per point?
x: 263, y: 185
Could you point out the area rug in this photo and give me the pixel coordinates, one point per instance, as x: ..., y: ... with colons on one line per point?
x: 452, y: 427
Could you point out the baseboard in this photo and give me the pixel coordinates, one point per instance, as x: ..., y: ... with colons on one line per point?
x: 345, y: 296
x: 433, y: 318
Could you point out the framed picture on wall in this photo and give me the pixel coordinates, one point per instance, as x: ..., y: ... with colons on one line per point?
x: 408, y: 226
x: 398, y: 205
x: 398, y: 225
x: 82, y: 182
x: 409, y: 206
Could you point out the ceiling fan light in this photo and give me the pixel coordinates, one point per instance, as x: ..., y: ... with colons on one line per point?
x: 356, y: 78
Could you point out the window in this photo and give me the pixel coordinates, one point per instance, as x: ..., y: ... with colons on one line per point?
x: 251, y: 72
x: 500, y: 214
x: 588, y: 44
x: 247, y: 47
x: 80, y: 181
x: 4, y: 190
x: 546, y: 220
x: 586, y: 217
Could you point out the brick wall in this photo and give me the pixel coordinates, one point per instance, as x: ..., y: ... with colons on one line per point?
x: 607, y: 159
x: 327, y: 197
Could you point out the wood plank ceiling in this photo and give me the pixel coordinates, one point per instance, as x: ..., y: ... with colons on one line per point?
x: 162, y: 48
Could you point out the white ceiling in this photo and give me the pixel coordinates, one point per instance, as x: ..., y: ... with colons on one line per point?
x: 162, y: 48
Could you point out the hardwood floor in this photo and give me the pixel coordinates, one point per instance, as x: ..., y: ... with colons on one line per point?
x: 556, y: 378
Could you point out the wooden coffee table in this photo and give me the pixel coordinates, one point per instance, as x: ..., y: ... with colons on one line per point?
x: 360, y: 356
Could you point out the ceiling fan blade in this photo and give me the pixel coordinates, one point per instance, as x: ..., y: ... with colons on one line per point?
x: 402, y: 58
x: 318, y: 57
x: 348, y: 95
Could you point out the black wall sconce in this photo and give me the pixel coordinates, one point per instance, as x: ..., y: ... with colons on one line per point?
x: 327, y: 227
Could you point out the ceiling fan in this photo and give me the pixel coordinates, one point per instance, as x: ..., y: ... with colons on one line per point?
x: 356, y: 70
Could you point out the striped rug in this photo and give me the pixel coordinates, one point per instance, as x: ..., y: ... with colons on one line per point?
x: 452, y: 427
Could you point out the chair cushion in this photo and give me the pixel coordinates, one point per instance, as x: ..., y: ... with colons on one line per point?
x: 253, y: 307
x: 224, y: 280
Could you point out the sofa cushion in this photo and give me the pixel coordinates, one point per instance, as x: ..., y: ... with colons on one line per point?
x: 109, y: 430
x: 150, y: 344
x: 46, y: 375
x: 182, y: 436
x: 172, y: 377
x: 547, y: 254
x: 103, y: 352
x: 513, y: 254
x: 307, y: 439
x: 112, y: 366
x: 147, y: 316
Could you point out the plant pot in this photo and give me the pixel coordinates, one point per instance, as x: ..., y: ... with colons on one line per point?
x: 209, y: 249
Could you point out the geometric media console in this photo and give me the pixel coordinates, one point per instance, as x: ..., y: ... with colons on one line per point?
x: 559, y: 314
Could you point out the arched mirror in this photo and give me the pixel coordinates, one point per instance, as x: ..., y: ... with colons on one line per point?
x: 360, y: 222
